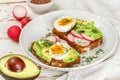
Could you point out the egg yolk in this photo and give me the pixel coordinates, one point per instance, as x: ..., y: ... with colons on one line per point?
x: 65, y: 21
x: 57, y: 49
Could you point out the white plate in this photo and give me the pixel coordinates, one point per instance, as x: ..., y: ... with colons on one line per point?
x: 38, y: 28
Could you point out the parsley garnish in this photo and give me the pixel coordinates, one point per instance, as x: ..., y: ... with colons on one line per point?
x: 99, y: 51
x: 89, y: 59
x: 49, y: 34
x: 29, y: 49
x: 47, y: 43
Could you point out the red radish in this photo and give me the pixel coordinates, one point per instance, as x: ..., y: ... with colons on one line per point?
x: 70, y: 37
x: 14, y: 32
x: 86, y: 37
x: 19, y: 12
x: 24, y: 21
x: 57, y: 39
x: 75, y: 34
x: 81, y: 42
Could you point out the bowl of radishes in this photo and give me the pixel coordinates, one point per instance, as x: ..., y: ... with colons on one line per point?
x: 38, y: 6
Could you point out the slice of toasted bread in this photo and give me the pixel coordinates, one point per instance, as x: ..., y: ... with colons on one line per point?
x: 80, y: 49
x: 55, y: 63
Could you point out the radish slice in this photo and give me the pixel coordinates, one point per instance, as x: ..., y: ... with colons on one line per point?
x: 81, y: 42
x: 19, y: 12
x: 52, y: 38
x: 57, y: 39
x: 70, y: 37
x: 86, y: 37
x: 75, y: 34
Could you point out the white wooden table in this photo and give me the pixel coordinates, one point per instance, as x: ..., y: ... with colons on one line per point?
x: 103, y: 8
x: 7, y: 46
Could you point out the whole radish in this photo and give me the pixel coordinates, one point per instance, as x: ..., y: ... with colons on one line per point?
x: 19, y: 12
x: 24, y: 21
x: 14, y: 32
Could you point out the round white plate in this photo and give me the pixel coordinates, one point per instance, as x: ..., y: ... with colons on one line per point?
x: 38, y: 28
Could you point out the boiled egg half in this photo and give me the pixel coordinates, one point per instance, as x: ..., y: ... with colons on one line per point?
x: 64, y: 24
x: 59, y: 51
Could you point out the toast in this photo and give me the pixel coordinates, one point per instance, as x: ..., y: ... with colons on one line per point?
x: 80, y: 34
x: 54, y: 62
x: 57, y: 63
x: 80, y: 49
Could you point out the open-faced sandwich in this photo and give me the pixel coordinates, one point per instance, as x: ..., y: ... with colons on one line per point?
x: 54, y: 51
x: 80, y: 34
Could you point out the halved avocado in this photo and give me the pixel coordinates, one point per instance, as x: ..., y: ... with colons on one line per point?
x: 18, y: 67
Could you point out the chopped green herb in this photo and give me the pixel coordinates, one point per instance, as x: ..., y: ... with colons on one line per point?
x: 94, y: 31
x: 89, y: 59
x: 48, y: 29
x: 47, y: 43
x: 29, y: 49
x: 49, y: 34
x: 83, y: 57
x: 99, y: 52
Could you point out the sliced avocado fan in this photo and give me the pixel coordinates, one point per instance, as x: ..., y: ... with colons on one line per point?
x: 88, y: 28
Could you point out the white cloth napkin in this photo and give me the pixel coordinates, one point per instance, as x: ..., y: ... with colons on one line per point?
x: 110, y: 68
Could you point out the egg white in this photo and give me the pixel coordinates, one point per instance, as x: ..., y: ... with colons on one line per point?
x: 64, y: 28
x: 62, y: 56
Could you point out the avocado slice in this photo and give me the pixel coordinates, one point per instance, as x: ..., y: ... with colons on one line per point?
x: 88, y: 28
x: 41, y: 49
x: 72, y: 56
x: 95, y: 33
x: 82, y: 25
x: 29, y: 72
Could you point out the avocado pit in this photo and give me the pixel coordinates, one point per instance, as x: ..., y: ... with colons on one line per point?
x: 15, y: 64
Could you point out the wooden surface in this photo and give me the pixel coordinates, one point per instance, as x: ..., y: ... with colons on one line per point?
x: 8, y: 46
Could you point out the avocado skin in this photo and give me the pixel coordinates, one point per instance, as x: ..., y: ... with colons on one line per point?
x: 13, y: 78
